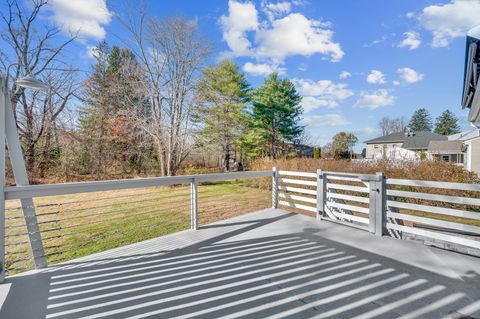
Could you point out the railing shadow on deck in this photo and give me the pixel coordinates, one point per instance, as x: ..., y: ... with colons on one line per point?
x: 297, y: 275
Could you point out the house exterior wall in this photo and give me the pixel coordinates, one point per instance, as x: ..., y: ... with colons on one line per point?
x: 472, y: 161
x: 390, y: 151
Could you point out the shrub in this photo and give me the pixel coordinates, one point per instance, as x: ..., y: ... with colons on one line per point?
x: 424, y: 170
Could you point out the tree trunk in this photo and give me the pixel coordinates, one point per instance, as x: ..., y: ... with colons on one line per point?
x: 30, y: 155
x: 45, y: 154
x: 226, y: 159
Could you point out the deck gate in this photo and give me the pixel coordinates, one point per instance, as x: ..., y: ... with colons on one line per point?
x: 345, y: 198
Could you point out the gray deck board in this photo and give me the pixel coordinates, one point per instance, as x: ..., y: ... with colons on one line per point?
x: 269, y: 264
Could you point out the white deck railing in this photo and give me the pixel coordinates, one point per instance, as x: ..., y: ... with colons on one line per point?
x: 36, y: 234
x: 441, y: 212
x: 397, y: 207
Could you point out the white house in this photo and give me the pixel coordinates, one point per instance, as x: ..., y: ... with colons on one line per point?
x: 401, y: 146
x: 470, y: 141
x: 461, y: 149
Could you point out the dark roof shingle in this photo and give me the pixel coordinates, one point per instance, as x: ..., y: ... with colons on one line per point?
x: 416, y: 140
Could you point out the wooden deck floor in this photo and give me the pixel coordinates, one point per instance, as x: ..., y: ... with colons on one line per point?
x: 269, y: 264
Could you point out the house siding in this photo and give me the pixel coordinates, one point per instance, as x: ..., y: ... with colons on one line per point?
x: 472, y: 160
x: 389, y: 150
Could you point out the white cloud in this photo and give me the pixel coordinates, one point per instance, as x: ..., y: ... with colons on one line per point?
x: 285, y: 34
x: 296, y: 35
x: 241, y: 18
x: 344, y: 74
x: 375, y: 99
x: 409, y: 75
x: 411, y: 41
x: 380, y: 40
x: 376, y: 77
x: 449, y: 21
x: 303, y: 67
x: 325, y: 120
x: 87, y: 17
x: 273, y: 10
x: 321, y: 93
x: 91, y: 54
x: 410, y: 15
x: 262, y: 69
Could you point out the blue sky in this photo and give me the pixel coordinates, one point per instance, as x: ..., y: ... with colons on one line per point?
x: 353, y: 61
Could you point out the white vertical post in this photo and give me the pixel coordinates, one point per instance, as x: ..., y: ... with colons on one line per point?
x: 3, y: 97
x: 321, y: 188
x: 377, y: 204
x: 381, y: 205
x: 194, y: 204
x: 21, y: 179
x: 274, y: 187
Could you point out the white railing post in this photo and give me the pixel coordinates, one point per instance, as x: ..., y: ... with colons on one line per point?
x: 194, y: 204
x: 377, y: 204
x: 274, y: 187
x: 3, y: 97
x: 21, y: 179
x: 321, y: 189
x: 381, y: 203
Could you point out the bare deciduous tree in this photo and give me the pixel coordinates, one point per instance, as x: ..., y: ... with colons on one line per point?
x: 389, y: 126
x: 30, y: 50
x: 171, y: 53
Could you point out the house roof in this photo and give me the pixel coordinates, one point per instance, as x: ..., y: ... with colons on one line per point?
x: 445, y: 147
x: 417, y: 140
x: 465, y: 136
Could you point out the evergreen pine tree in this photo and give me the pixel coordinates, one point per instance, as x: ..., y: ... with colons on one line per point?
x: 421, y: 121
x: 276, y: 114
x: 447, y: 124
x: 222, y: 94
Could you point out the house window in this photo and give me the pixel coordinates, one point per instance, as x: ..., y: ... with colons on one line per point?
x: 446, y: 158
x: 375, y: 147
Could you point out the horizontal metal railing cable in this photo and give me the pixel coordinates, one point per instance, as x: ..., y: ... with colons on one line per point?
x: 212, y: 202
x: 84, y: 224
x: 90, y: 208
x: 118, y: 232
x: 92, y: 200
x: 134, y: 215
x: 98, y: 237
x: 100, y: 214
x: 96, y: 229
x: 96, y: 207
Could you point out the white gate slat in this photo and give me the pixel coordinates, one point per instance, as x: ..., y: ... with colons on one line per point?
x: 435, y: 197
x: 358, y: 219
x: 329, y: 213
x: 297, y: 181
x: 435, y: 210
x: 300, y: 174
x: 344, y: 178
x: 436, y: 235
x: 298, y: 190
x: 348, y: 188
x: 435, y: 222
x: 297, y: 197
x: 299, y: 206
x: 432, y: 184
x: 352, y: 198
x: 359, y: 209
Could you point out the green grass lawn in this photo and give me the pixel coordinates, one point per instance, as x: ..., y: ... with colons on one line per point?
x: 77, y: 225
